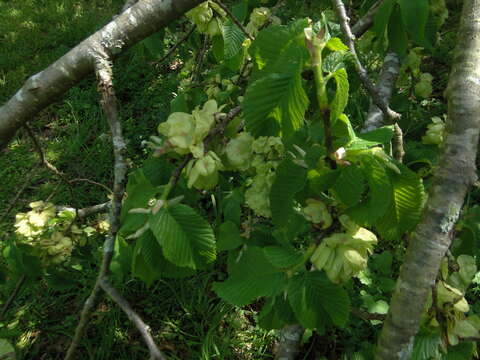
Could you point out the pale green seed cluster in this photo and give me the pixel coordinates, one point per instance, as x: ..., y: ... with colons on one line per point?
x: 451, y: 302
x: 203, y: 17
x: 316, y: 211
x: 45, y: 232
x: 343, y: 255
x: 435, y: 132
x: 424, y: 87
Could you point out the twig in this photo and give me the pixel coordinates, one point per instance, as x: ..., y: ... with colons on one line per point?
x: 49, y: 165
x: 93, y: 183
x: 398, y: 150
x: 364, y: 315
x: 366, y: 21
x: 234, y: 19
x: 200, y: 57
x: 109, y: 104
x: 144, y: 329
x: 90, y: 210
x: 20, y: 192
x: 362, y: 73
x: 175, y: 47
x: 13, y: 295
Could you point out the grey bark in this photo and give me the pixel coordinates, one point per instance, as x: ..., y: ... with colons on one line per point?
x: 456, y: 172
x: 384, y: 88
x: 289, y: 342
x: 40, y: 90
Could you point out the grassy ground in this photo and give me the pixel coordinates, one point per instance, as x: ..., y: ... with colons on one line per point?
x: 187, y: 319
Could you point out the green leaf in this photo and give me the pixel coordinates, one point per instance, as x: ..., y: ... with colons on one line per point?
x: 140, y: 267
x: 232, y: 206
x: 397, y: 35
x: 186, y: 238
x: 463, y: 351
x: 7, y: 351
x: 415, y: 16
x: 228, y: 236
x: 382, y: 17
x: 319, y: 182
x: 179, y: 103
x: 335, y: 44
x: 276, y: 313
x: 340, y: 99
x: 282, y: 257
x: 406, y: 208
x: 154, y: 44
x: 290, y: 179
x: 343, y: 132
x: 379, y: 136
x: 276, y: 102
x: 153, y: 256
x: 382, y: 263
x: 311, y: 295
x: 334, y: 61
x: 233, y: 38
x: 250, y: 276
x: 427, y: 345
x: 350, y: 185
x: 379, y: 195
x: 122, y: 259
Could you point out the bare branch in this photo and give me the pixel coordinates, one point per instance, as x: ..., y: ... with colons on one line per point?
x: 42, y: 89
x: 13, y: 295
x: 109, y: 105
x: 144, y: 329
x: 366, y: 21
x: 364, y: 315
x: 234, y: 19
x: 454, y: 175
x: 362, y: 73
x: 91, y: 210
x: 175, y: 47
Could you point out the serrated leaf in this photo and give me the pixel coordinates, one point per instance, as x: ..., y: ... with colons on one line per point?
x: 397, y: 35
x: 140, y: 268
x: 426, y: 346
x: 334, y: 61
x: 350, y: 185
x: 290, y: 179
x: 382, y: 17
x: 122, y: 259
x: 312, y: 295
x: 233, y: 38
x: 414, y: 17
x: 404, y: 212
x: 186, y: 238
x: 228, y: 236
x: 250, y: 276
x: 379, y: 136
x: 319, y: 182
x: 276, y: 102
x: 282, y: 257
x: 340, y: 99
x: 343, y: 132
x: 335, y: 44
x: 276, y: 313
x: 153, y: 255
x: 379, y: 195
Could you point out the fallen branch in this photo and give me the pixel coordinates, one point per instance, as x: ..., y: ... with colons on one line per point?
x: 40, y: 90
x: 144, y: 329
x: 454, y: 175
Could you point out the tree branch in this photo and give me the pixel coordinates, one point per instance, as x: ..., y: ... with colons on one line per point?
x: 109, y: 104
x: 135, y: 24
x: 455, y: 174
x: 289, y: 343
x: 175, y: 47
x: 366, y: 21
x: 362, y: 73
x: 144, y: 329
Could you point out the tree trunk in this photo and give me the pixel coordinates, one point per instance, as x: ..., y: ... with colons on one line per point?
x: 40, y: 90
x: 456, y: 172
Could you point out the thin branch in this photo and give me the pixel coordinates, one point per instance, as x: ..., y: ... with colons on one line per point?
x: 234, y: 19
x: 366, y: 21
x: 22, y: 189
x: 105, y: 187
x: 109, y: 105
x: 13, y: 295
x: 144, y: 329
x: 87, y: 211
x: 362, y: 73
x: 175, y: 47
x: 397, y: 143
x: 200, y: 58
x: 364, y: 315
